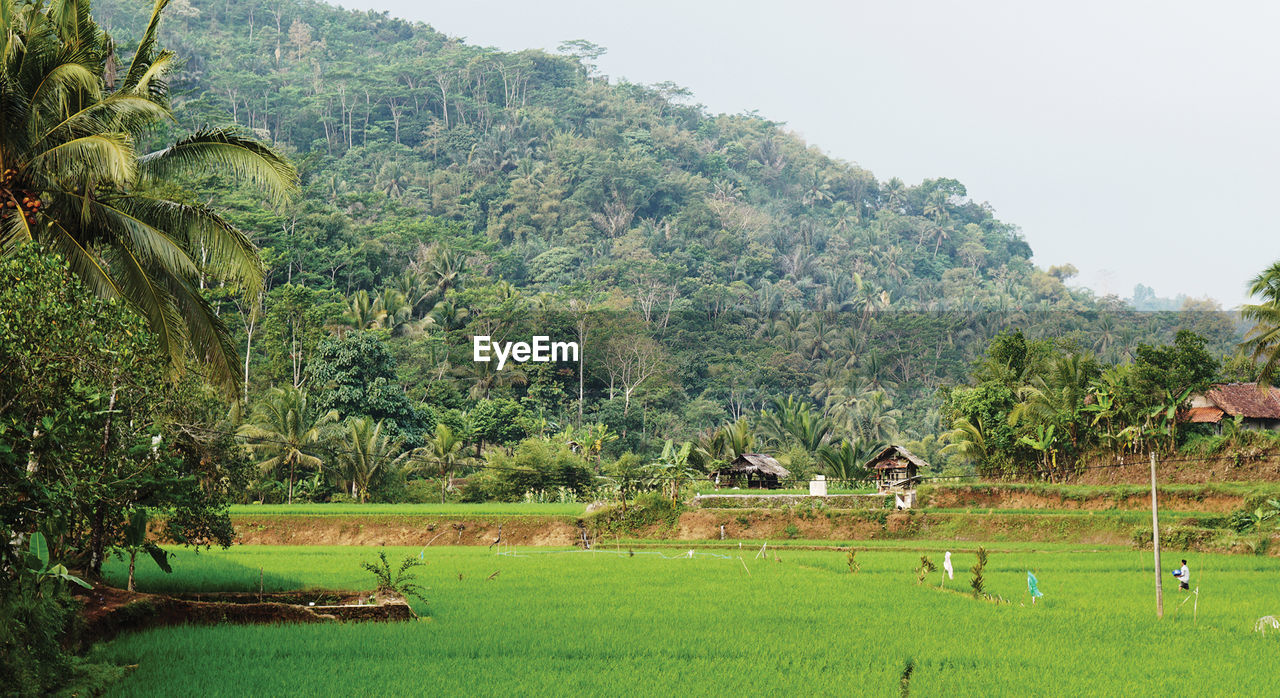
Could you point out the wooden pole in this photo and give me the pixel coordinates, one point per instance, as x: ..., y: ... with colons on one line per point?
x: 1155, y: 538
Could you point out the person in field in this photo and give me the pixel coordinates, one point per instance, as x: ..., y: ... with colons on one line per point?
x: 1184, y: 576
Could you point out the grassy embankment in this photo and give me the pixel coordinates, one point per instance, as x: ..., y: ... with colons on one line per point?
x: 1193, y: 517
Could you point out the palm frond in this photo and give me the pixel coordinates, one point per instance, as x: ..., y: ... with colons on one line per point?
x: 224, y: 150
x: 14, y: 231
x: 152, y: 82
x: 151, y: 245
x: 83, y: 262
x: 103, y: 156
x: 232, y: 256
x: 74, y: 22
x: 205, y: 333
x: 153, y: 301
x: 68, y: 78
x: 117, y: 112
x: 142, y: 58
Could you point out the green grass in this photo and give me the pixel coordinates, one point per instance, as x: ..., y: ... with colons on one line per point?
x: 348, y: 509
x: 1136, y: 514
x: 575, y: 623
x: 1094, y: 491
x: 794, y: 490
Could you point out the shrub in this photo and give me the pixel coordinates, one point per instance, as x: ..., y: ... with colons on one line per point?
x: 649, y: 508
x: 926, y: 567
x: 536, y: 465
x: 401, y: 581
x: 1240, y: 521
x: 978, y: 583
x: 1203, y: 444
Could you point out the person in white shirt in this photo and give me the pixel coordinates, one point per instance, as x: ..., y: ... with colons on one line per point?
x: 1184, y: 576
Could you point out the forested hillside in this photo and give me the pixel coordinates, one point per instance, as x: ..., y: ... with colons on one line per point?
x: 713, y: 265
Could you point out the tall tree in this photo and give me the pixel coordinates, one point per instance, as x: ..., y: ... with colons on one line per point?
x: 364, y: 452
x: 285, y: 430
x: 1263, y: 340
x: 71, y: 177
x: 442, y: 454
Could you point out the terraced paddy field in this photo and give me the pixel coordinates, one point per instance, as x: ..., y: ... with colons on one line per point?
x: 726, y: 621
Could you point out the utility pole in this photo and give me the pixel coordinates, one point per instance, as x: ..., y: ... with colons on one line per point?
x: 1155, y: 538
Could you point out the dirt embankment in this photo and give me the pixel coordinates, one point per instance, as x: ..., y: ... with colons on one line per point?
x: 885, y: 525
x: 109, y: 611
x: 1082, y: 527
x: 1048, y: 498
x: 1085, y: 528
x: 693, y: 525
x: 403, y: 530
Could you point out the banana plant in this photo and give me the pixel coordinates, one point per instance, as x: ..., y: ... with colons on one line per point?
x: 135, y: 541
x: 1265, y: 513
x: 43, y: 569
x: 1043, y: 443
x: 1167, y: 414
x: 673, y: 470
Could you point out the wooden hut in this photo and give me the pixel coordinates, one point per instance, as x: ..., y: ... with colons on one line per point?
x: 751, y: 470
x: 896, y: 467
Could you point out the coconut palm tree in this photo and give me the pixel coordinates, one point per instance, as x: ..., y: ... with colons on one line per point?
x: 72, y: 179
x: 1263, y: 341
x: 363, y: 312
x: 365, y: 452
x: 845, y: 462
x: 722, y: 445
x: 968, y: 441
x: 443, y: 454
x: 282, y: 428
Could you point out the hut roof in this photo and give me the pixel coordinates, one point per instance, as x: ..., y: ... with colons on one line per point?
x: 891, y: 451
x: 1245, y: 400
x: 757, y: 463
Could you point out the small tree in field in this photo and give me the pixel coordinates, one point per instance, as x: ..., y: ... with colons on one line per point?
x: 926, y: 566
x: 401, y: 581
x: 978, y: 583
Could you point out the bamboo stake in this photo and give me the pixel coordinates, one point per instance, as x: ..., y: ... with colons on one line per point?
x: 1155, y: 538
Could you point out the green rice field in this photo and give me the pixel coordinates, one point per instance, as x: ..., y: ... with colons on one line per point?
x: 724, y: 622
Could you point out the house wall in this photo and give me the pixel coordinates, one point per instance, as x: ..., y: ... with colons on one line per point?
x: 1199, y: 400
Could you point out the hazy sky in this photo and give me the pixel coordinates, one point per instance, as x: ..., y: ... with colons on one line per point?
x: 1135, y: 140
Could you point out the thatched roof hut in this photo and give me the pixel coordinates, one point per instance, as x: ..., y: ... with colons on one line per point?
x: 895, y: 466
x: 752, y: 470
